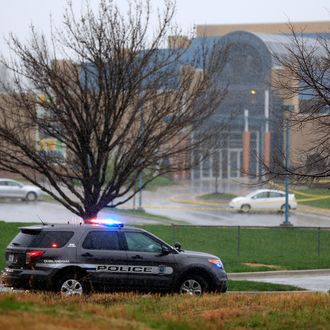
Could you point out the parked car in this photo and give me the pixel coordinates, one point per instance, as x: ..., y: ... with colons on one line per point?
x: 105, y: 256
x: 13, y: 189
x: 263, y: 199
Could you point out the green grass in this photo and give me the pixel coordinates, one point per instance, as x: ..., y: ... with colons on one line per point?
x: 259, y: 286
x: 217, y: 196
x: 158, y: 182
x: 322, y: 203
x: 165, y: 312
x: 264, y: 248
x: 7, y: 232
x: 286, y: 248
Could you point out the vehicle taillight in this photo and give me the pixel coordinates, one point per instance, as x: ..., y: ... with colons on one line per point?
x: 32, y: 255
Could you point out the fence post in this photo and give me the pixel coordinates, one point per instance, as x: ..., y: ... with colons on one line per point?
x: 238, y: 241
x: 173, y: 233
x: 318, y: 241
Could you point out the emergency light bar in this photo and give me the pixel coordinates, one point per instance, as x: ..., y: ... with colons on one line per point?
x: 105, y: 222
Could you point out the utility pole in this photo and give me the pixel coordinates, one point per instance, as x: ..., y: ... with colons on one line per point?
x: 140, y: 178
x: 286, y: 222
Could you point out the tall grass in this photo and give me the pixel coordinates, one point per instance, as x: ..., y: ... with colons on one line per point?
x: 130, y: 311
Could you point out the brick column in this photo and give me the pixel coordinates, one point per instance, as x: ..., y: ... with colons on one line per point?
x: 246, y: 153
x: 246, y: 145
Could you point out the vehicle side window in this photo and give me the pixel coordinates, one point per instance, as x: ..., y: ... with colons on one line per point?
x: 13, y: 184
x: 263, y: 194
x: 101, y: 240
x: 43, y: 238
x: 3, y: 183
x: 140, y: 242
x: 274, y: 194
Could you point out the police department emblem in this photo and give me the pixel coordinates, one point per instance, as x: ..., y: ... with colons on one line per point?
x: 161, y: 269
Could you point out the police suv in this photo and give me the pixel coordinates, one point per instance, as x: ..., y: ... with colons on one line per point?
x: 104, y: 255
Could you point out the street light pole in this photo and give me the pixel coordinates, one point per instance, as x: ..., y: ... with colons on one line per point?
x: 140, y: 178
x: 287, y: 155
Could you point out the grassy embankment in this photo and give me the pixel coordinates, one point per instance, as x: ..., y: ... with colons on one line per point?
x: 306, y: 197
x: 259, y: 248
x: 130, y: 311
x: 217, y: 197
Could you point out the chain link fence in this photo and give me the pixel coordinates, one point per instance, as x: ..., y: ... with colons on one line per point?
x: 258, y: 248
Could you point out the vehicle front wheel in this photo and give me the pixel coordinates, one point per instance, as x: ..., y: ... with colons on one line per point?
x: 193, y: 285
x: 245, y: 208
x: 71, y: 285
x: 31, y: 196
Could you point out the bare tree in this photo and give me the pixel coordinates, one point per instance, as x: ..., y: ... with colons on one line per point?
x: 304, y: 75
x: 4, y: 78
x: 116, y: 106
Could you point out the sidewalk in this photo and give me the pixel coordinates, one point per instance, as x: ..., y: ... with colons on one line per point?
x: 311, y: 279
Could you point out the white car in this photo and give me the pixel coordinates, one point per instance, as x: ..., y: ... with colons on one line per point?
x: 13, y: 189
x: 263, y: 199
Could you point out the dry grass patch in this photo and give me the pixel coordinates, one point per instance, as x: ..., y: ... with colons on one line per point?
x: 135, y: 311
x: 257, y: 265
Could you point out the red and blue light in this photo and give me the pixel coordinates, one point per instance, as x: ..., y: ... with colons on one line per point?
x: 105, y: 222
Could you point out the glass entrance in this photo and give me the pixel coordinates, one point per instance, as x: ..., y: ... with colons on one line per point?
x: 234, y: 163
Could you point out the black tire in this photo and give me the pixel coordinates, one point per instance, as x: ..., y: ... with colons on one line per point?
x: 224, y: 287
x: 245, y: 208
x: 31, y: 196
x: 71, y: 284
x: 193, y: 285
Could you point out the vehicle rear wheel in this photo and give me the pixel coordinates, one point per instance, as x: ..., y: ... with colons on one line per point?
x: 31, y: 196
x: 71, y: 285
x: 245, y: 208
x: 193, y: 285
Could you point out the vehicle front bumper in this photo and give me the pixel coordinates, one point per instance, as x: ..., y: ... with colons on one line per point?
x: 220, y: 280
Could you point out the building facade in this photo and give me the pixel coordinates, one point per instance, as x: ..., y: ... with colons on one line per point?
x: 252, y: 109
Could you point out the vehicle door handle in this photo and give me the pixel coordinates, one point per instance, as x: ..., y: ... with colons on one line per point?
x: 137, y: 257
x: 87, y: 254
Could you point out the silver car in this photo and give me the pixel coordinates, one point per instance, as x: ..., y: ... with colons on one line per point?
x: 13, y: 189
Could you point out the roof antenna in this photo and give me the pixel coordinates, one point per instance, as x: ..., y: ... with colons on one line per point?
x: 43, y: 223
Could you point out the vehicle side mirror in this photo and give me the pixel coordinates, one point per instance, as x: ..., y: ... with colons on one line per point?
x: 177, y: 245
x: 165, y: 250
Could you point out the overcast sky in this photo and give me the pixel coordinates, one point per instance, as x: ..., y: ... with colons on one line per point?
x: 17, y: 15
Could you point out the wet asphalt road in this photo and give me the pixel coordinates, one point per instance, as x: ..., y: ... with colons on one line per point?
x: 171, y: 202
x: 17, y: 211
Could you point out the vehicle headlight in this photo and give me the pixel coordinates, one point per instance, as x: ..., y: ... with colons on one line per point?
x: 216, y: 262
